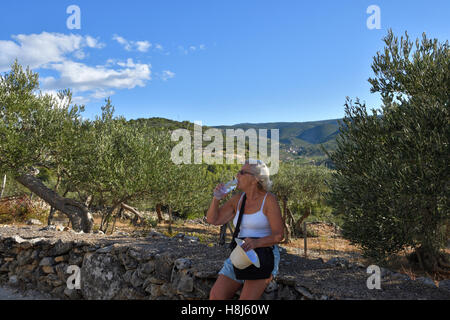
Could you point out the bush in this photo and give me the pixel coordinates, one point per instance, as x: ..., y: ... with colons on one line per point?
x: 20, y: 210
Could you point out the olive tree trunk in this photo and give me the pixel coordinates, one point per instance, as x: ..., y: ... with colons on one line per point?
x: 78, y: 213
x: 3, y: 186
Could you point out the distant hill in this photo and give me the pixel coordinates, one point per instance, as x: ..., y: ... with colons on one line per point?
x: 161, y: 123
x: 300, y: 138
x: 297, y: 139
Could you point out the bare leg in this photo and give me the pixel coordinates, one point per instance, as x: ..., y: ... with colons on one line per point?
x: 224, y: 288
x: 253, y: 289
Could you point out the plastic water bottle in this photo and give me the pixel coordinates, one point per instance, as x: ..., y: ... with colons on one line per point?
x: 227, y: 188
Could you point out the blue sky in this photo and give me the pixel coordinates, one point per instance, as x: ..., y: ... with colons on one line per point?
x: 219, y: 62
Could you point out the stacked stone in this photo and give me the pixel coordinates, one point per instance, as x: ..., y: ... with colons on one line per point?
x: 177, y: 268
x: 40, y: 264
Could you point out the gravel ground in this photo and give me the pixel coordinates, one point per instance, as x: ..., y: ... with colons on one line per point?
x: 7, y: 293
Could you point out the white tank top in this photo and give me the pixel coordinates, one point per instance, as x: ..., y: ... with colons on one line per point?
x: 253, y: 225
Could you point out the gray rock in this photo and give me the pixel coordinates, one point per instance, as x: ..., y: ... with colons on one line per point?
x: 163, y: 265
x: 47, y: 261
x: 146, y: 269
x: 148, y: 254
x: 127, y: 275
x: 24, y: 257
x: 5, y: 267
x: 131, y: 293
x: 286, y: 280
x: 61, y: 271
x: 87, y: 249
x: 320, y: 260
x: 54, y: 280
x: 272, y: 286
x: 128, y: 261
x: 135, y: 280
x: 36, y: 241
x: 445, y: 284
x: 286, y: 294
x: 186, y: 284
x: 60, y: 248
x: 183, y: 263
x: 167, y: 290
x: 156, y: 234
x: 385, y: 272
x: 48, y: 269
x: 426, y: 281
x: 34, y: 222
x: 304, y: 292
x: 13, y: 280
x: 268, y: 295
x: 153, y: 280
x: 72, y: 294
x: 154, y: 290
x: 101, y: 276
x: 19, y: 239
x: 48, y: 228
x: 75, y: 259
x: 338, y: 262
x: 136, y: 255
x: 107, y: 249
x: 399, y: 276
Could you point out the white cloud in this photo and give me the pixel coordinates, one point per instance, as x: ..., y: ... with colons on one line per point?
x: 191, y: 48
x: 82, y: 78
x: 129, y: 63
x: 141, y: 46
x: 93, y: 43
x: 55, y: 52
x: 97, y: 82
x: 101, y: 94
x: 80, y: 100
x: 123, y: 42
x: 36, y: 50
x: 60, y: 103
x: 79, y: 54
x: 182, y: 49
x: 166, y: 75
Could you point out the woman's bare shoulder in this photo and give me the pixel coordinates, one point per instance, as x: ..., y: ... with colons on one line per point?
x: 236, y: 197
x: 272, y: 202
x: 272, y: 197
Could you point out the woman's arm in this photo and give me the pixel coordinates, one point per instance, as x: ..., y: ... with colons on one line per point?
x: 273, y: 214
x: 219, y: 216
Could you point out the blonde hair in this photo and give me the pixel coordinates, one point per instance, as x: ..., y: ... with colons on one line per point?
x: 261, y: 172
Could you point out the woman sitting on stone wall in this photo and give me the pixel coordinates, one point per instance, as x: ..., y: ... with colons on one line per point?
x: 261, y: 226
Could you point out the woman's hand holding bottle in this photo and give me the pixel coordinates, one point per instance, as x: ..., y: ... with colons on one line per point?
x: 223, y: 189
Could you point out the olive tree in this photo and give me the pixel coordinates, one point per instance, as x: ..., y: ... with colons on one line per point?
x: 392, y: 178
x: 299, y: 188
x: 30, y: 123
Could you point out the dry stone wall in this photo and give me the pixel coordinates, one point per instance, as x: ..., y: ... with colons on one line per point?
x: 180, y: 268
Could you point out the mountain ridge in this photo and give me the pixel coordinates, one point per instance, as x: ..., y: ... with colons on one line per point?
x: 297, y: 139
